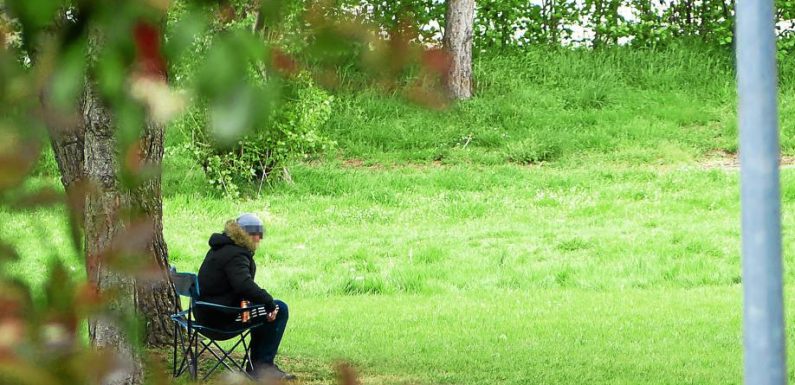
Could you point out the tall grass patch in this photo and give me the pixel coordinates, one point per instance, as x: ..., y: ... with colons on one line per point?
x: 545, y: 105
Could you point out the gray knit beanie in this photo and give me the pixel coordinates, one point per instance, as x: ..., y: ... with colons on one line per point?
x: 251, y: 224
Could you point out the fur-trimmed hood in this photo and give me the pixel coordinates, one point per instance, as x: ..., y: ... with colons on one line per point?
x: 233, y: 234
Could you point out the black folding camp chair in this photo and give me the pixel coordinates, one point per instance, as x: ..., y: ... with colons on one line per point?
x: 192, y: 339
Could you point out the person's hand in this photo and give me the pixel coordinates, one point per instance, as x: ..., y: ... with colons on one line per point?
x: 272, y: 315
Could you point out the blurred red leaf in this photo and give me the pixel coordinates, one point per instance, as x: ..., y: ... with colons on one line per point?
x: 129, y: 252
x: 149, y: 59
x: 161, y: 5
x: 134, y: 158
x: 226, y: 12
x: 346, y: 374
x: 283, y: 62
x: 12, y: 321
x: 12, y: 332
x: 25, y: 373
x: 12, y: 307
x: 7, y: 252
x: 18, y: 163
x: 327, y: 78
x: 46, y: 196
x: 87, y: 298
x: 431, y: 97
x: 437, y: 61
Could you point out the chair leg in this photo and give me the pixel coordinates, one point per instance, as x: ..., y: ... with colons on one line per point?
x: 194, y: 356
x: 225, y: 355
x: 220, y: 360
x: 246, y: 359
x: 185, y: 360
x: 174, y: 356
x: 179, y: 338
x: 247, y: 364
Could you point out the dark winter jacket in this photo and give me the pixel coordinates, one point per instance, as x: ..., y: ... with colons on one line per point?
x: 226, y: 276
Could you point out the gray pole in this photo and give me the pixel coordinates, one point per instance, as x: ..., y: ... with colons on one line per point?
x: 763, y: 316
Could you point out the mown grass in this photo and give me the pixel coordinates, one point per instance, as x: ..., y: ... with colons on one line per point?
x: 562, y: 227
x: 545, y: 336
x: 468, y: 275
x: 432, y: 230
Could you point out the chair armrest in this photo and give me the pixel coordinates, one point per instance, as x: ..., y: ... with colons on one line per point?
x: 228, y: 309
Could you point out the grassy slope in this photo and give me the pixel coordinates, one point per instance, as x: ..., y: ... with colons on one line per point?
x: 629, y: 106
x: 424, y: 256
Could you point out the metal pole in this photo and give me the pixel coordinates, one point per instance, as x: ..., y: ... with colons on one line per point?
x: 763, y: 316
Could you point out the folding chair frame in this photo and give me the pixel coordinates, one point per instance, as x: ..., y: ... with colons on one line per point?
x: 190, y: 341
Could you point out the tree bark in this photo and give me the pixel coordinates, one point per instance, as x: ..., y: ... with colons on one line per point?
x: 67, y: 145
x: 550, y: 21
x: 688, y: 5
x: 155, y: 297
x: 104, y: 224
x: 614, y: 20
x: 554, y: 22
x: 70, y: 143
x: 597, y: 24
x: 458, y: 43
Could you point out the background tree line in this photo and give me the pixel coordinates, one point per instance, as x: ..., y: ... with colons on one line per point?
x: 511, y: 24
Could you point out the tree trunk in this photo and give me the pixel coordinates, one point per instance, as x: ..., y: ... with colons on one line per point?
x: 614, y: 21
x: 104, y: 224
x: 549, y: 20
x: 554, y: 22
x: 729, y: 17
x: 688, y: 4
x: 458, y: 43
x: 597, y: 24
x: 703, y: 19
x: 67, y: 145
x: 155, y: 297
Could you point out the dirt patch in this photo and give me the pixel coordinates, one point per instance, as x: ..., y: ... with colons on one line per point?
x: 358, y: 163
x: 721, y: 160
x: 422, y: 166
x: 725, y: 160
x: 353, y: 163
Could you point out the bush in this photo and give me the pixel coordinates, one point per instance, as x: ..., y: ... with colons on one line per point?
x: 291, y: 132
x: 251, y: 133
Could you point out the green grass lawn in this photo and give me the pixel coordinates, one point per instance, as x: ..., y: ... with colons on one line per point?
x: 568, y: 225
x: 546, y: 336
x: 471, y: 275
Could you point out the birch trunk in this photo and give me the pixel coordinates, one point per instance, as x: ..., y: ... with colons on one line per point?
x: 458, y: 43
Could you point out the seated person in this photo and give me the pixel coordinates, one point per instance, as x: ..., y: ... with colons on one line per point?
x: 226, y: 277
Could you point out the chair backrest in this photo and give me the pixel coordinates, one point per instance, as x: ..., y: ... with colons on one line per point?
x: 185, y: 284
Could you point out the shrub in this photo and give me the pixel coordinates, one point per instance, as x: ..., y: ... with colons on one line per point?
x: 293, y: 131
